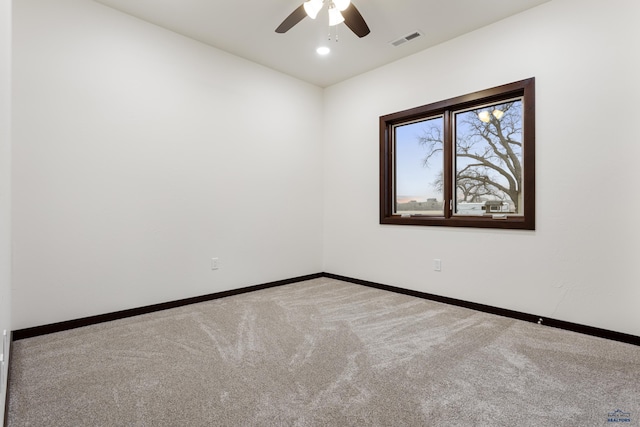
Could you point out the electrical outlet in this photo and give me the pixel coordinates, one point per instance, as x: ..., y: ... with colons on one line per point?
x: 215, y: 263
x: 437, y: 265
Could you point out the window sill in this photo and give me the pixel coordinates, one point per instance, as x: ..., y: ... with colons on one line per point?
x: 511, y: 222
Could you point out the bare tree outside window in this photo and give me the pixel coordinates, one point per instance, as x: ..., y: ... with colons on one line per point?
x: 488, y: 154
x: 415, y: 192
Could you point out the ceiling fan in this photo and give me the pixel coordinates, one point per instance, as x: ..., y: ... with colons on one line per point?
x: 339, y: 11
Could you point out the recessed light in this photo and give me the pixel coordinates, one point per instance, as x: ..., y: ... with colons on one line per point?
x: 323, y: 50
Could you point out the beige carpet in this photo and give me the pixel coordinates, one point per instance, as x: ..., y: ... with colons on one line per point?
x: 322, y: 353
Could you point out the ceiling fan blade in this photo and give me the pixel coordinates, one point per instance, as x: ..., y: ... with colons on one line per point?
x: 291, y: 20
x: 354, y: 20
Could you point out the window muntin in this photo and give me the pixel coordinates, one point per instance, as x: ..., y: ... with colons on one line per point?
x: 473, y: 160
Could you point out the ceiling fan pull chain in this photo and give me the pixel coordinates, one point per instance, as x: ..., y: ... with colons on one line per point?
x: 334, y: 32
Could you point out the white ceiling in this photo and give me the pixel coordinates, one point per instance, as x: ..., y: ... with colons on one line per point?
x: 246, y: 28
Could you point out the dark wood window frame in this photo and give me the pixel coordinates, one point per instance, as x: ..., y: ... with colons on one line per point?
x: 526, y: 221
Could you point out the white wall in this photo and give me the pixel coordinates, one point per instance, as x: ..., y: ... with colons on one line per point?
x: 5, y: 189
x: 581, y: 264
x: 139, y: 154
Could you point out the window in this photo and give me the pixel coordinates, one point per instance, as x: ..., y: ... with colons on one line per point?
x: 467, y: 161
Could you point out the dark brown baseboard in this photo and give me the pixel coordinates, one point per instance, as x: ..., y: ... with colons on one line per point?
x: 86, y: 321
x: 107, y: 317
x: 560, y: 324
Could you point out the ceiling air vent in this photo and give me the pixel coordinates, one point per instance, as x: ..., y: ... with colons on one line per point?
x: 409, y: 37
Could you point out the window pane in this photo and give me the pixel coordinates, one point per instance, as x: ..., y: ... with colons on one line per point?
x: 488, y: 160
x: 418, y: 167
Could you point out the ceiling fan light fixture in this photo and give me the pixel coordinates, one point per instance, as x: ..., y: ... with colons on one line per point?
x: 335, y: 17
x: 312, y: 7
x: 342, y: 5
